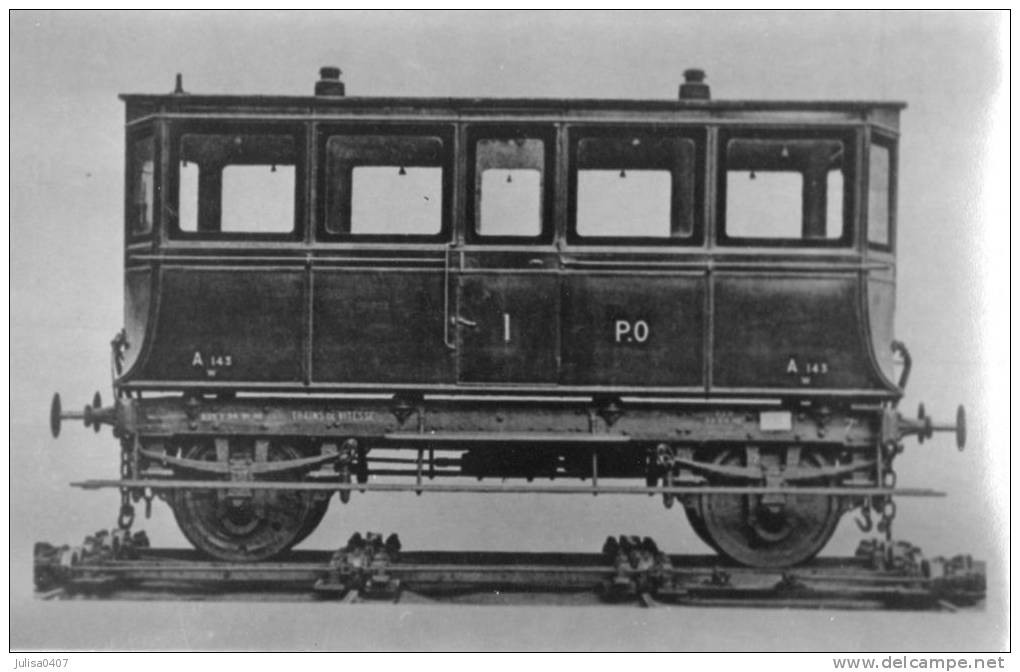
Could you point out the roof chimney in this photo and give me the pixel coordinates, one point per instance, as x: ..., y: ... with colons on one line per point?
x: 694, y: 87
x: 329, y: 83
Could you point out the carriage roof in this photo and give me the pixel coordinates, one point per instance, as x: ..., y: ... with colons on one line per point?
x: 883, y: 112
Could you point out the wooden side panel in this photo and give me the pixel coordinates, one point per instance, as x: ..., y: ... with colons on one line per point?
x: 508, y: 328
x: 137, y: 301
x: 786, y: 331
x: 633, y: 330
x: 881, y: 314
x: 379, y: 326
x: 228, y: 326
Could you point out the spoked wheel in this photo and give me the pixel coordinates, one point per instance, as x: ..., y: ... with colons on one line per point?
x: 249, y: 526
x: 769, y: 532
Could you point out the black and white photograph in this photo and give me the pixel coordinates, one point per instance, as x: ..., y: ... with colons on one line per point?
x: 510, y: 331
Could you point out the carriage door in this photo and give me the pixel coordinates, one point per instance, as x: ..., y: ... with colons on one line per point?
x: 508, y: 291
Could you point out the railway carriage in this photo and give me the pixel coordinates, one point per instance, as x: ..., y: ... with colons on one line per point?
x: 689, y: 298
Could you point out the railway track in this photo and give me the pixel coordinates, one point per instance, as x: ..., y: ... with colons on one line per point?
x: 629, y: 570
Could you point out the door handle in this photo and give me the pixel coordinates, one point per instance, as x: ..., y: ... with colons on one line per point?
x: 463, y: 321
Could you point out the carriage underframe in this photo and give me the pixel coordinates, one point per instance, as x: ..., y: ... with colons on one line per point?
x: 762, y: 483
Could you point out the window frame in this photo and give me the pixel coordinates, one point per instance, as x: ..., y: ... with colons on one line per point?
x: 299, y: 132
x: 445, y: 132
x: 848, y: 137
x: 547, y: 133
x: 891, y: 144
x: 697, y: 134
x: 134, y: 136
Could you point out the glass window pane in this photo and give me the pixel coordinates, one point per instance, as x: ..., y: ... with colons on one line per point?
x: 142, y: 195
x: 509, y: 187
x: 237, y: 183
x: 635, y: 185
x: 879, y: 176
x: 785, y: 189
x: 395, y: 200
x: 834, y: 205
x: 187, y: 211
x: 258, y: 199
x: 624, y: 203
x: 384, y: 185
x: 763, y: 205
x: 511, y: 203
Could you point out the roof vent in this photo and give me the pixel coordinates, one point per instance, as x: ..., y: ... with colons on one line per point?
x: 329, y: 83
x: 694, y: 87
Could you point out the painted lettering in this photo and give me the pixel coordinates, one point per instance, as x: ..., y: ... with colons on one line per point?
x: 332, y: 416
x: 231, y: 416
x: 625, y: 331
x: 640, y: 331
x: 211, y: 362
x: 622, y: 329
x: 806, y: 370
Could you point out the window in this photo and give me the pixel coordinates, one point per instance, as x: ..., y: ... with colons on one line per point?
x: 634, y: 185
x: 879, y: 195
x: 237, y: 183
x: 384, y: 185
x: 785, y: 190
x: 141, y: 204
x: 509, y: 187
x: 763, y: 205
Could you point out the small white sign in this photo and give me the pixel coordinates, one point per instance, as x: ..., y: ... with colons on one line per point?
x: 776, y: 421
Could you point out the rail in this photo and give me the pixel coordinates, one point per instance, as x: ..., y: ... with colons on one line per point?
x: 630, y: 569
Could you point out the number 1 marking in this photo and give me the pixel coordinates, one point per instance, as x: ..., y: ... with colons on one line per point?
x: 506, y: 327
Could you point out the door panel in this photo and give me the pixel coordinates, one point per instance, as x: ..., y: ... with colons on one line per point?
x: 633, y: 330
x: 507, y: 327
x: 379, y: 326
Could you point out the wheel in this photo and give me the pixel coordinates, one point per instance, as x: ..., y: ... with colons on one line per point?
x: 698, y: 525
x: 782, y: 533
x: 318, y: 513
x: 245, y: 529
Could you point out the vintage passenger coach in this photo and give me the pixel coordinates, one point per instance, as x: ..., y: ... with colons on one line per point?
x: 689, y: 298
